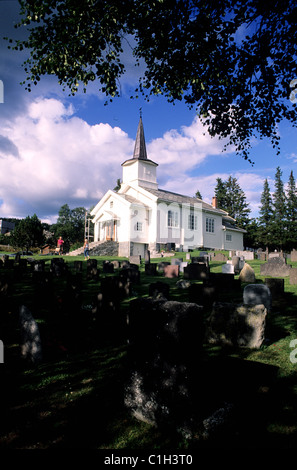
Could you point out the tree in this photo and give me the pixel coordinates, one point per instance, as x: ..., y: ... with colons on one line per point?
x: 291, y: 212
x: 265, y: 219
x: 233, y: 60
x: 70, y: 225
x: 220, y: 193
x: 231, y: 198
x: 118, y: 185
x: 198, y: 194
x: 28, y: 233
x: 279, y: 221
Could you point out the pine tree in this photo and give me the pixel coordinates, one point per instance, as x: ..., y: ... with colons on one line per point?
x: 231, y: 198
x: 220, y: 193
x: 279, y: 221
x: 265, y: 219
x: 291, y: 212
x: 198, y: 194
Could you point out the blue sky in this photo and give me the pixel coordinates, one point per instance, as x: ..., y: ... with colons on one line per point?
x: 56, y: 149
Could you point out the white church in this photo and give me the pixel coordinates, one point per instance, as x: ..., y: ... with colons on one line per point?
x: 140, y: 216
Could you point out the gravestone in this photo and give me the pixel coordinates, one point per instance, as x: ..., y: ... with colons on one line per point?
x: 92, y: 270
x: 78, y: 266
x: 165, y: 341
x: 203, y: 294
x: 172, y: 270
x: 30, y: 340
x: 108, y: 267
x: 196, y: 271
x: 147, y: 256
x: 38, y: 266
x: 159, y: 288
x: 247, y: 274
x: 219, y: 257
x: 131, y: 274
x: 275, y: 267
x: 293, y: 276
x: 228, y: 268
x: 188, y: 256
x: 135, y: 259
x: 293, y: 255
x: 236, y: 325
x: 162, y: 265
x: 256, y: 294
x: 276, y: 287
x: 116, y: 264
x: 150, y: 269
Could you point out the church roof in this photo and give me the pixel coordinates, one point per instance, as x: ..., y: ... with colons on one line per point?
x: 169, y: 196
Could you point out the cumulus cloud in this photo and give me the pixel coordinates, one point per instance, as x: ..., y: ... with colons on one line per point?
x: 61, y: 159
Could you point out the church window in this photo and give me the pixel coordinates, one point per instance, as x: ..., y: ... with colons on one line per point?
x: 139, y: 226
x: 228, y: 237
x: 111, y: 204
x: 172, y: 219
x: 192, y: 222
x: 209, y: 225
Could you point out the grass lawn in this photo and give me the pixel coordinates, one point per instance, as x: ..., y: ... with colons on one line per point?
x: 74, y: 398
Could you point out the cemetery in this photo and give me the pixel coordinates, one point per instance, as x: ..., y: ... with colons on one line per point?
x: 188, y: 351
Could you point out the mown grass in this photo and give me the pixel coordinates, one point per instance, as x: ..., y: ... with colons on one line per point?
x: 74, y: 398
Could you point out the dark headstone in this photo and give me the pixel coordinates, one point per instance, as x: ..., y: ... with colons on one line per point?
x: 197, y: 271
x: 159, y: 288
x: 165, y: 340
x: 151, y: 269
x: 276, y: 287
x: 108, y: 267
x: 30, y: 342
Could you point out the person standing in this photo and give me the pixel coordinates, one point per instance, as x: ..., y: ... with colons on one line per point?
x: 86, y: 249
x: 60, y: 245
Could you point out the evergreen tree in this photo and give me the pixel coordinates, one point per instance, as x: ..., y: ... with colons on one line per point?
x: 220, y: 193
x: 279, y: 222
x: 265, y: 219
x: 231, y: 198
x: 198, y: 194
x: 291, y: 212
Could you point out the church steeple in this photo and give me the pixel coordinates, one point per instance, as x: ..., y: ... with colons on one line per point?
x: 140, y: 147
x: 139, y: 170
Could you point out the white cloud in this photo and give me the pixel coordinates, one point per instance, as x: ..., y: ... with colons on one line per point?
x: 61, y: 159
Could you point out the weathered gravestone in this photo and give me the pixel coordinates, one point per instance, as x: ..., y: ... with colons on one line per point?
x: 135, y: 259
x: 165, y: 340
x: 236, y: 325
x: 247, y: 274
x: 30, y: 340
x: 58, y: 267
x: 172, y: 270
x: 293, y: 276
x: 147, y: 256
x: 256, y: 294
x: 228, y: 268
x: 293, y: 255
x: 275, y: 267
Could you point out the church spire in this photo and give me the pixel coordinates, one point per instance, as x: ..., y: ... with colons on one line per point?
x: 140, y: 147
